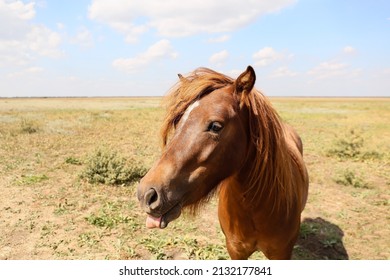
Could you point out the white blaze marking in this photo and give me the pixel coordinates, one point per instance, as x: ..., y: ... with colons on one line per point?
x: 188, y: 112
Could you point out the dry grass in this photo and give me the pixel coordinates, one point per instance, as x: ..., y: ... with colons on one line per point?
x: 49, y: 212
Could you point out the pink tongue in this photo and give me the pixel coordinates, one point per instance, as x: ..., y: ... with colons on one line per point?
x: 152, y: 222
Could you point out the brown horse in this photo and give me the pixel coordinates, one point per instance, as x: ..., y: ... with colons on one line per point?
x: 223, y: 134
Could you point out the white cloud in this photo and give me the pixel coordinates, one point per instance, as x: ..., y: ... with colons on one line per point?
x: 60, y: 26
x: 14, y: 16
x: 38, y: 41
x: 172, y: 18
x: 21, y: 40
x: 44, y: 41
x: 283, y: 71
x: 328, y: 69
x: 134, y: 32
x: 331, y: 69
x: 234, y: 73
x: 27, y: 71
x: 83, y: 38
x: 220, y: 39
x: 17, y: 9
x: 160, y: 50
x: 266, y: 56
x: 219, y: 58
x: 349, y: 50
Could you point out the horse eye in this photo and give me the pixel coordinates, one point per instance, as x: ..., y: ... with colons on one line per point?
x: 215, y: 127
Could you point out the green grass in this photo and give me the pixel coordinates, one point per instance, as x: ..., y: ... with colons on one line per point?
x: 110, y: 215
x: 31, y: 179
x: 73, y: 160
x: 190, y: 248
x: 308, y: 229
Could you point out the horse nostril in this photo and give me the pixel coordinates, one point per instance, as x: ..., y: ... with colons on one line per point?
x: 151, y: 197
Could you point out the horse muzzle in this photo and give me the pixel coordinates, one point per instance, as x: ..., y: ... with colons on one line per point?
x: 159, y: 212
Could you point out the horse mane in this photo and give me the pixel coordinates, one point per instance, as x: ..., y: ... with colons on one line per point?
x: 270, y: 172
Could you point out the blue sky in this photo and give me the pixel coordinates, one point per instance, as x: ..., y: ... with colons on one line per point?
x: 137, y: 48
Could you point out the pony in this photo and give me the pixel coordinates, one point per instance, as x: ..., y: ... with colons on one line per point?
x: 223, y: 136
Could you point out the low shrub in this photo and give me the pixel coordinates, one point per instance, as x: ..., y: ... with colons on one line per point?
x: 349, y: 178
x: 105, y: 166
x: 29, y: 126
x: 351, y: 147
x: 348, y: 147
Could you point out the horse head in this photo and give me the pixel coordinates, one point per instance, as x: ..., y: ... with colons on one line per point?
x: 207, y: 127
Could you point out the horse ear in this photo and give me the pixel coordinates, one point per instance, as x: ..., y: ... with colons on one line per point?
x: 246, y: 81
x: 244, y: 84
x: 181, y: 78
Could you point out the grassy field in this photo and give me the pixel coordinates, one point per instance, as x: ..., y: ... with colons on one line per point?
x: 52, y: 207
